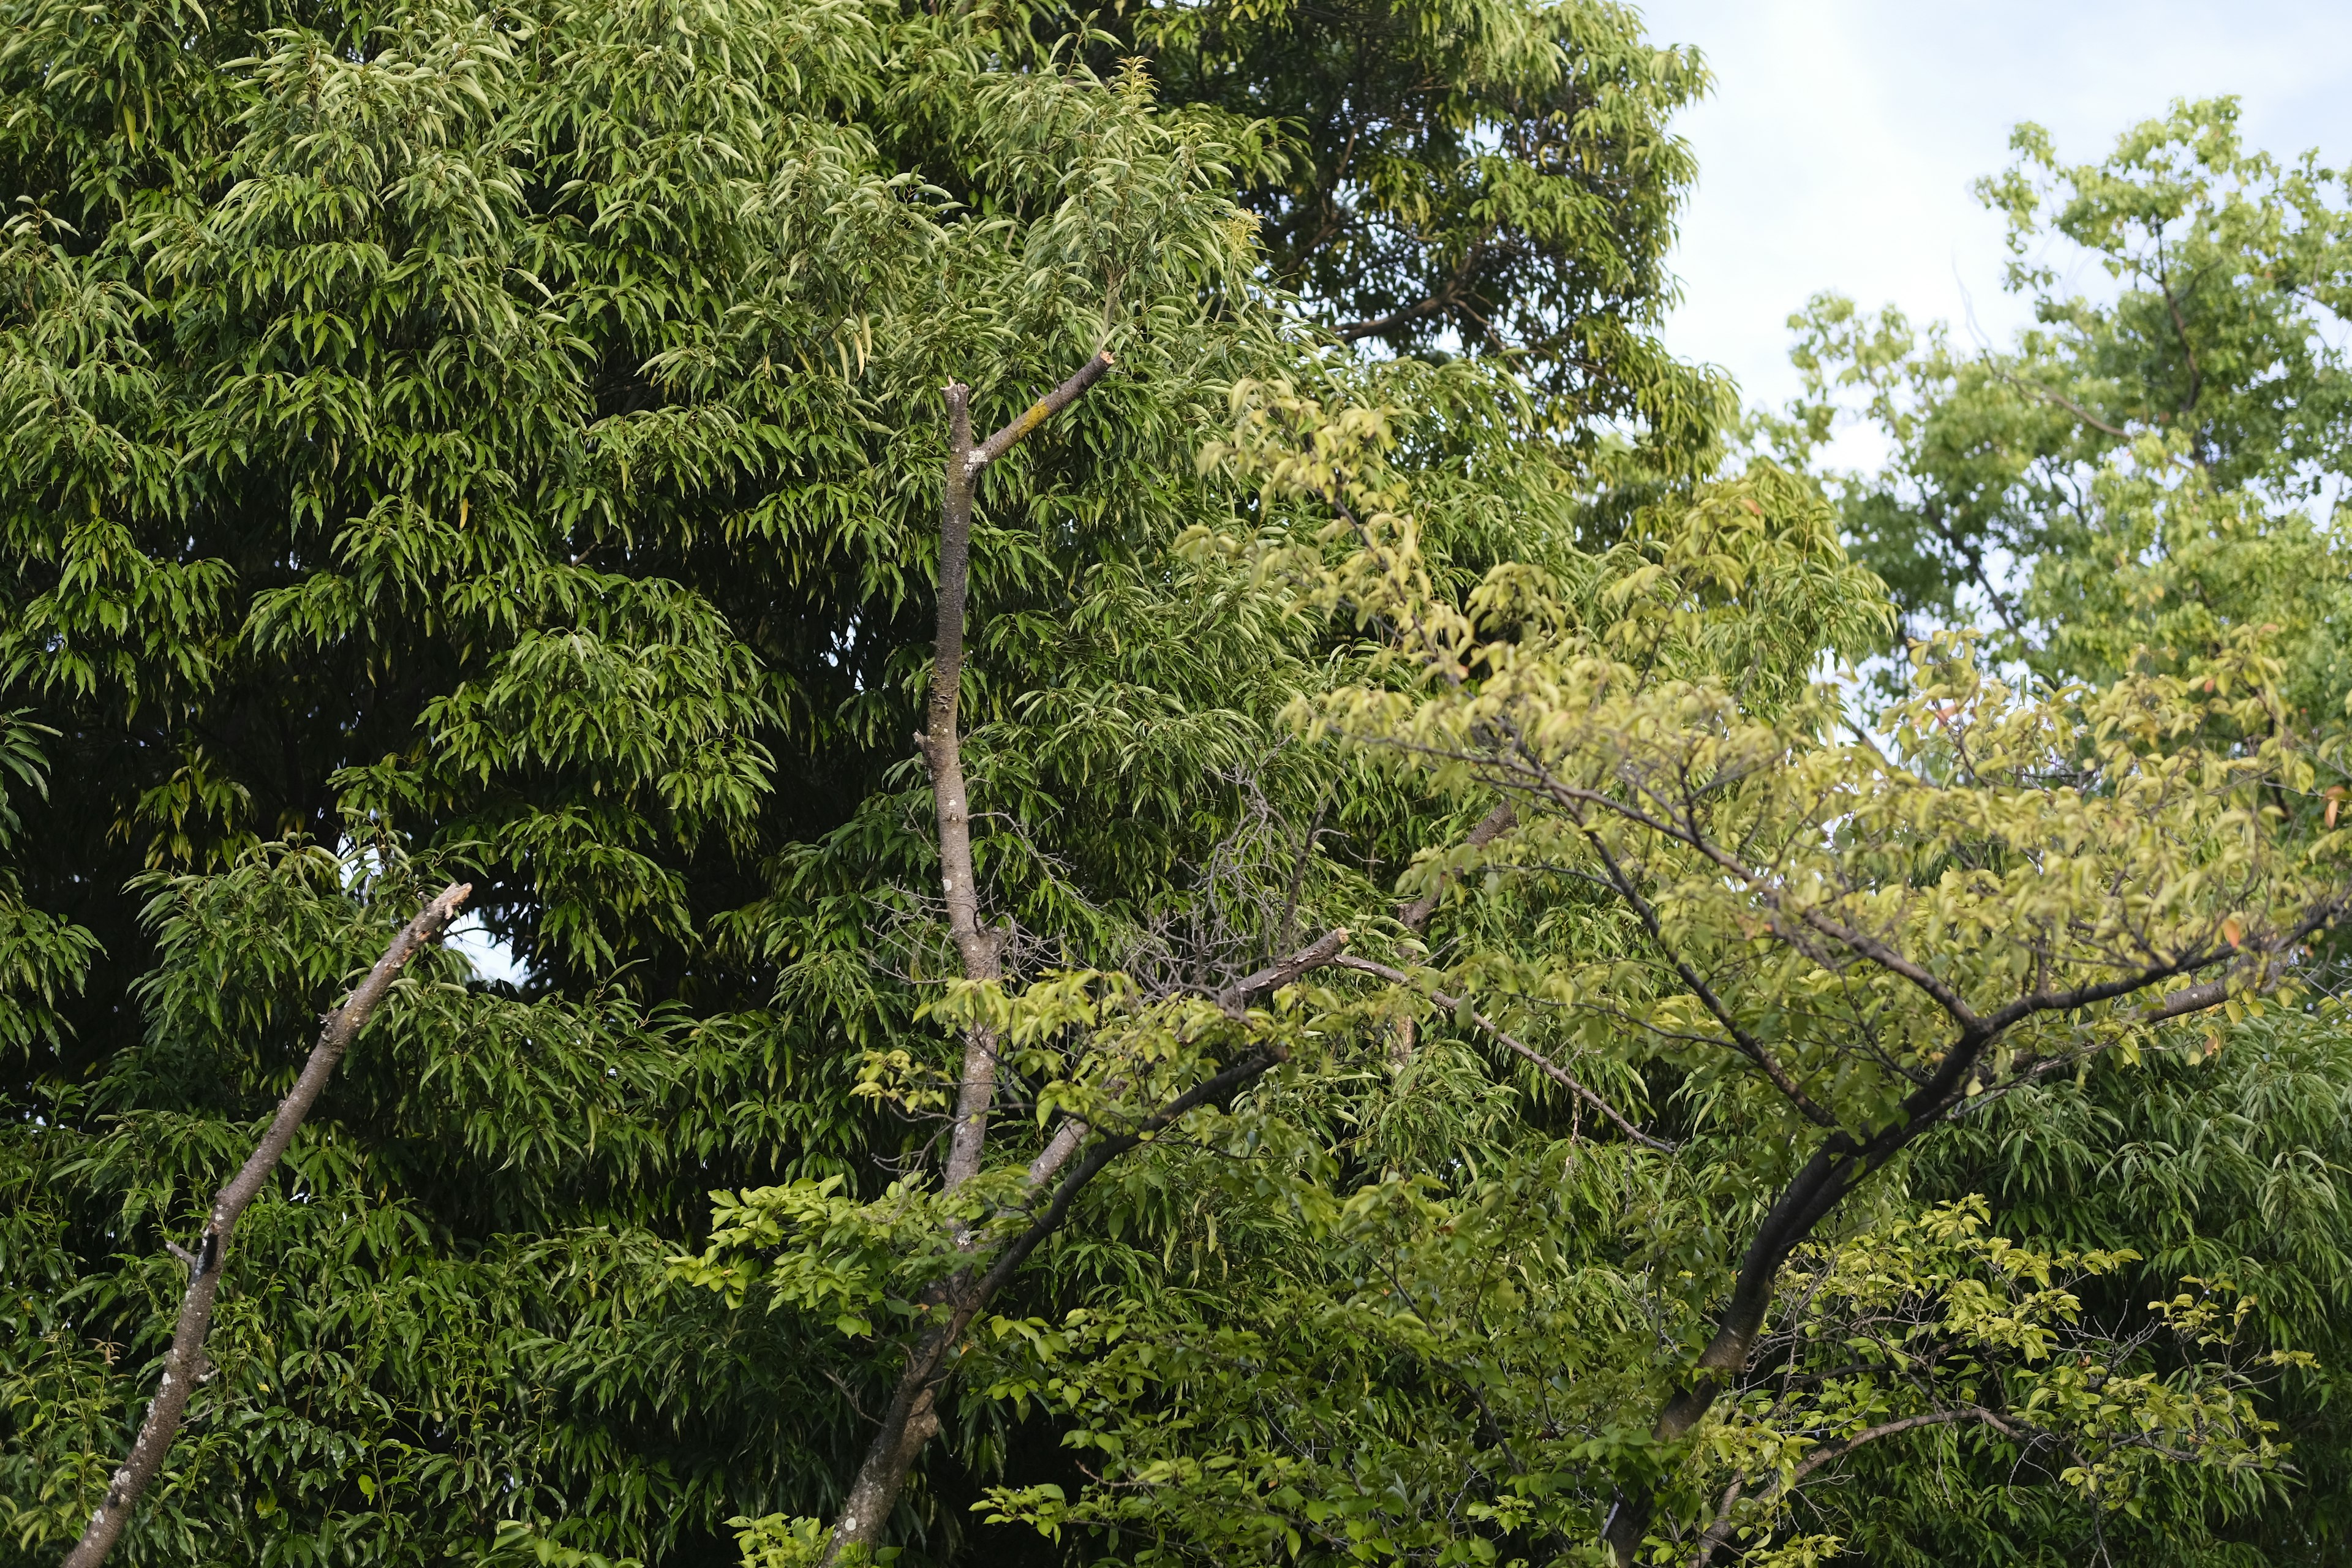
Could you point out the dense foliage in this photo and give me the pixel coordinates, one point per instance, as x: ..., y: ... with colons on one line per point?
x: 1437, y: 914
x: 2152, y: 474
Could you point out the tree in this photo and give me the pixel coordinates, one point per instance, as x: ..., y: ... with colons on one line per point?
x: 502, y: 445
x: 2143, y: 477
x: 1810, y: 955
x: 2143, y: 472
x: 1475, y: 178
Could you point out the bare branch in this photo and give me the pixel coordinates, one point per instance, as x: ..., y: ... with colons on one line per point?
x: 1415, y: 915
x: 1037, y: 413
x: 1323, y: 950
x: 184, y: 1363
x: 981, y: 951
x: 1542, y: 1063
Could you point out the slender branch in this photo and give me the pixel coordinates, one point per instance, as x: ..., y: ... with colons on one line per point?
x: 1820, y: 1457
x: 1974, y: 556
x: 1037, y: 413
x: 2060, y: 400
x: 1542, y: 1063
x: 1749, y: 1045
x: 1322, y: 951
x: 1414, y: 916
x: 1218, y: 1086
x: 913, y: 1417
x: 2180, y: 327
x: 1869, y: 947
x: 1960, y: 1062
x: 1354, y: 330
x: 184, y: 1363
x: 1720, y: 1531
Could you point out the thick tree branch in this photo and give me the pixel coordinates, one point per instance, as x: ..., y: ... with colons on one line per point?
x: 1842, y: 1161
x: 980, y: 950
x: 184, y: 1363
x: 1323, y: 950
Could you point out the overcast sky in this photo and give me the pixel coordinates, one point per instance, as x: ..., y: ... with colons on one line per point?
x: 1842, y: 135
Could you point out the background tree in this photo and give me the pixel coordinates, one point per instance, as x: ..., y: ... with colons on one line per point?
x: 2153, y: 465
x: 2154, y: 470
x: 1470, y: 178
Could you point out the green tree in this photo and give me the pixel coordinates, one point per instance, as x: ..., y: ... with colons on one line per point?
x: 2148, y: 469
x: 505, y: 445
x: 1774, y: 968
x: 2145, y: 477
x: 1248, y: 1036
x: 1470, y: 177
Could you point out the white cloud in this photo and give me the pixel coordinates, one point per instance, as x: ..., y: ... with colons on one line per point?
x: 1842, y: 136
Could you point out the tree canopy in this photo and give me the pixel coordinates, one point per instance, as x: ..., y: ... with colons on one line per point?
x: 1190, y: 862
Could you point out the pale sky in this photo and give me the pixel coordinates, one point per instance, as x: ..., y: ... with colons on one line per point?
x: 1842, y: 135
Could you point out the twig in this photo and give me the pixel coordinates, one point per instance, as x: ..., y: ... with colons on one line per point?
x: 1542, y: 1063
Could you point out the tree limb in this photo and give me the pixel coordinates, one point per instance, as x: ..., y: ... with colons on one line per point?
x: 1748, y: 1045
x: 1037, y: 413
x: 184, y: 1363
x: 913, y: 1416
x: 980, y: 950
x: 1353, y: 330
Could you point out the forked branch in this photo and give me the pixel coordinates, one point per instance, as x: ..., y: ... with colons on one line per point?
x: 912, y: 1419
x: 980, y: 950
